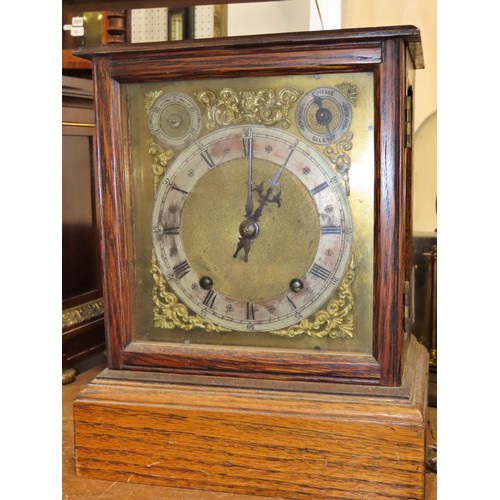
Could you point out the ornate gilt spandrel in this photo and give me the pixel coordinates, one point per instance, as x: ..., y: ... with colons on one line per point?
x: 337, y: 152
x: 259, y: 107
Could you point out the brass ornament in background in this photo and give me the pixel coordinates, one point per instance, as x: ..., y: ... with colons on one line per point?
x: 220, y: 20
x: 78, y: 124
x: 335, y: 320
x: 431, y: 280
x: 265, y: 107
x: 82, y: 313
x: 69, y: 375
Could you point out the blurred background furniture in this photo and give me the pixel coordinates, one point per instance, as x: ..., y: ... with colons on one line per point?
x: 425, y: 301
x: 82, y: 304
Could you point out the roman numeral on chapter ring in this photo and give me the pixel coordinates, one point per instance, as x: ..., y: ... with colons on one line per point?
x: 288, y: 157
x: 331, y: 230
x: 291, y: 304
x: 179, y: 189
x: 246, y: 146
x: 208, y: 159
x: 318, y: 188
x: 320, y: 272
x: 171, y: 230
x: 181, y: 269
x: 250, y: 311
x: 210, y: 299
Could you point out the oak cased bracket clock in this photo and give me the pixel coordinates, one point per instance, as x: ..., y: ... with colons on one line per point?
x: 255, y: 197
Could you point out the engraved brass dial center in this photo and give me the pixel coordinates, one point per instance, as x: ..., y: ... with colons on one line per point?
x: 284, y: 240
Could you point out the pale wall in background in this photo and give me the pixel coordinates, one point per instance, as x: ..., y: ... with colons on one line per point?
x: 423, y: 15
x: 283, y: 16
x: 424, y: 177
x: 420, y: 13
x: 267, y: 17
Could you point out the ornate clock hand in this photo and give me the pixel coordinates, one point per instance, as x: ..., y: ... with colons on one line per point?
x: 274, y: 180
x: 249, y: 203
x: 249, y: 228
x: 267, y: 198
x: 243, y: 243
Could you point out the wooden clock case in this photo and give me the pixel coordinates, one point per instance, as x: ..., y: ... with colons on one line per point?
x: 273, y: 423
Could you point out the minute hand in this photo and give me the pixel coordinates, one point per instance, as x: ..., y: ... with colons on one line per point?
x: 249, y: 203
x: 274, y: 180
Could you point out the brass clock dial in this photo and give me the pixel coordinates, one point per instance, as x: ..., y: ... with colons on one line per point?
x: 324, y: 115
x: 252, y: 228
x: 252, y: 235
x: 174, y: 120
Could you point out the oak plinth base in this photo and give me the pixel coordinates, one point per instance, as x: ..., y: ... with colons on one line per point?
x: 158, y: 429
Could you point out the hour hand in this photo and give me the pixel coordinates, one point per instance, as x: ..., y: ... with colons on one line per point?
x: 270, y: 195
x: 243, y: 243
x: 249, y: 229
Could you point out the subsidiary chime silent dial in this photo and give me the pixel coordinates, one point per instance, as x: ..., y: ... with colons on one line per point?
x: 323, y: 115
x: 174, y: 120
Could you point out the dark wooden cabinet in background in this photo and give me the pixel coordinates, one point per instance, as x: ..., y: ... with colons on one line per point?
x: 82, y: 304
x: 425, y: 301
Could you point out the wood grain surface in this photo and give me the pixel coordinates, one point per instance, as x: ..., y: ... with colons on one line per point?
x: 256, y: 441
x: 78, y: 488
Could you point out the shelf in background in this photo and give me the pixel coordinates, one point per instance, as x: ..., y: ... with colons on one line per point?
x: 89, y: 5
x: 69, y: 61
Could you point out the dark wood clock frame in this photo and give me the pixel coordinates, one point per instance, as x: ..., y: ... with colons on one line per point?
x: 374, y: 404
x: 392, y: 54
